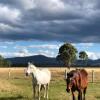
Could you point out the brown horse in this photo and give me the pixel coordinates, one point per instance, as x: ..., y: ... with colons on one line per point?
x: 77, y: 80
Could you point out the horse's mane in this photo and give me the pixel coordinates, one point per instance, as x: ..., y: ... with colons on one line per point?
x: 83, y: 72
x: 33, y: 66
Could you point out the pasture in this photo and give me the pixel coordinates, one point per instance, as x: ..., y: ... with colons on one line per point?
x: 19, y: 87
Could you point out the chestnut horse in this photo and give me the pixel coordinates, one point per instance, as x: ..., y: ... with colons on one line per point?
x: 77, y: 80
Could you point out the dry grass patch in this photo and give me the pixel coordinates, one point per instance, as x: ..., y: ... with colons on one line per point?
x: 19, y: 87
x: 5, y: 85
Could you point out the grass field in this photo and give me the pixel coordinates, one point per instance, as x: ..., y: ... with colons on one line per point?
x: 19, y: 87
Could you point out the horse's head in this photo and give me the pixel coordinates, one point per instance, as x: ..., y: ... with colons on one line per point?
x: 31, y: 68
x: 69, y: 81
x: 72, y: 79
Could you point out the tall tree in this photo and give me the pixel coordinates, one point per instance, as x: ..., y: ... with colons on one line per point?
x: 83, y: 56
x: 3, y: 62
x: 67, y: 54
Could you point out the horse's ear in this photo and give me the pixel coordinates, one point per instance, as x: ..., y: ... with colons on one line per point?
x: 32, y: 62
x: 70, y: 74
x: 67, y: 74
x: 29, y: 63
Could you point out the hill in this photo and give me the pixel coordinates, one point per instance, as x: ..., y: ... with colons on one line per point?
x: 41, y: 60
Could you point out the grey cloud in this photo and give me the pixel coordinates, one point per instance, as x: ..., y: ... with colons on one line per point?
x: 19, y: 4
x: 53, y: 20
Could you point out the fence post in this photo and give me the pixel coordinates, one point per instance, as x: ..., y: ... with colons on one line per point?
x: 92, y: 76
x: 9, y: 73
x: 65, y: 74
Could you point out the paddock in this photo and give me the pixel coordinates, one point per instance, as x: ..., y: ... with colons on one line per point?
x: 14, y: 85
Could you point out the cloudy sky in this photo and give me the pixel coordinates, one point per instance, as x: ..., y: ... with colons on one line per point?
x: 30, y: 27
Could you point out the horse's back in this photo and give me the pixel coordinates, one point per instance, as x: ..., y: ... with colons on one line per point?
x: 43, y: 76
x: 84, y: 78
x: 84, y: 72
x: 46, y: 72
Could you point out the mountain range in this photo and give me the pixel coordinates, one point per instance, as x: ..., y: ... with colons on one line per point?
x: 41, y: 60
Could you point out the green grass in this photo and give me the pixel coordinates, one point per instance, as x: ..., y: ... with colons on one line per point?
x: 19, y: 87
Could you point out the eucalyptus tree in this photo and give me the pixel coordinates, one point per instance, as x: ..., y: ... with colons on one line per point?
x: 4, y: 62
x: 83, y: 56
x: 67, y: 54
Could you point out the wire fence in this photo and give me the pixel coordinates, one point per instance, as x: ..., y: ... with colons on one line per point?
x: 93, y: 75
x: 57, y: 73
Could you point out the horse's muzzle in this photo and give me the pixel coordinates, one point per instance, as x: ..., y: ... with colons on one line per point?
x: 68, y: 90
x: 26, y: 74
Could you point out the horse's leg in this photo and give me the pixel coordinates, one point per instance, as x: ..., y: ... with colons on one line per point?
x: 39, y: 87
x: 47, y: 87
x: 80, y: 95
x: 73, y: 95
x: 84, y: 92
x: 34, y: 91
x: 44, y: 91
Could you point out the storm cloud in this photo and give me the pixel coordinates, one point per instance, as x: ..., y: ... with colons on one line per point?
x: 50, y: 20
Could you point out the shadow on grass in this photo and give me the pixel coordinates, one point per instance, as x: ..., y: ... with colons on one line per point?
x: 98, y: 97
x: 12, y: 98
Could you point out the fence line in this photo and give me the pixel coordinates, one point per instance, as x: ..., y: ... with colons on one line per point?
x: 93, y: 76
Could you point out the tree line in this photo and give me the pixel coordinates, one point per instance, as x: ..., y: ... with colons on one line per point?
x: 67, y: 54
x: 4, y: 62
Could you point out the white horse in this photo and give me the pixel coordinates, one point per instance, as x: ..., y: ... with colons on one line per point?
x: 40, y: 78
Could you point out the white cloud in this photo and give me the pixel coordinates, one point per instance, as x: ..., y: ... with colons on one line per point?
x: 49, y: 50
x: 84, y: 45
x: 9, y: 14
x: 8, y: 42
x: 47, y: 53
x: 46, y: 46
x: 93, y: 55
x: 5, y: 27
x: 3, y: 46
x: 42, y: 46
x: 51, y: 6
x: 21, y: 53
x: 26, y: 4
x: 25, y: 52
x: 6, y: 54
